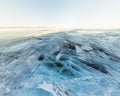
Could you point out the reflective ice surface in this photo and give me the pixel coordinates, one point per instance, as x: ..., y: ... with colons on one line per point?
x: 62, y: 64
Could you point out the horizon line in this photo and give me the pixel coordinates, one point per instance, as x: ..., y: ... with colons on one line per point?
x: 26, y: 27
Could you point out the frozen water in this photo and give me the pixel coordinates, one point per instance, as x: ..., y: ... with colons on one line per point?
x: 62, y: 64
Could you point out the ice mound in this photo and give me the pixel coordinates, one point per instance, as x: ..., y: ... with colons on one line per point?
x: 62, y: 64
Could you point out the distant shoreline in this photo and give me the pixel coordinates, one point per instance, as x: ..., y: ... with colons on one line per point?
x: 20, y: 27
x: 86, y: 29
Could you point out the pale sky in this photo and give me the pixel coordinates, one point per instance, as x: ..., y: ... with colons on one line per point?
x: 60, y: 13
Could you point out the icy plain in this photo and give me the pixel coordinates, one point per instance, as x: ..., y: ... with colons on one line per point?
x: 70, y: 63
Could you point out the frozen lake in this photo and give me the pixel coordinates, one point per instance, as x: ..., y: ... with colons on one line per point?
x: 59, y: 63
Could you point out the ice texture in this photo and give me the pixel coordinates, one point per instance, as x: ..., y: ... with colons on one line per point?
x: 62, y: 64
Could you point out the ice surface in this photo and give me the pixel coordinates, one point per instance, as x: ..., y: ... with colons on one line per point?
x: 62, y: 64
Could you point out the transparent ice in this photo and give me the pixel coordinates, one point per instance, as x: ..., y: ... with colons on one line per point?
x: 62, y: 64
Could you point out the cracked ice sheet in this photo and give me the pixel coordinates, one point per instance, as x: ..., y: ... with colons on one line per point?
x: 28, y: 76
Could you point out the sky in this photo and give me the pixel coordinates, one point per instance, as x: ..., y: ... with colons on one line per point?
x: 60, y: 13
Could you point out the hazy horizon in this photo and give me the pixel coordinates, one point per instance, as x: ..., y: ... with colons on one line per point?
x: 29, y: 27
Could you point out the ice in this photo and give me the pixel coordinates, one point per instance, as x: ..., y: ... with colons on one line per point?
x: 62, y: 64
